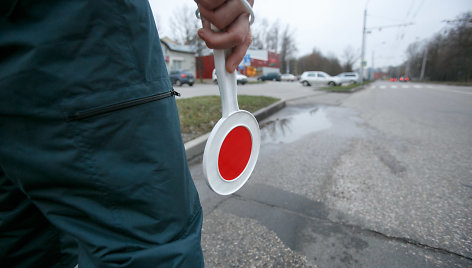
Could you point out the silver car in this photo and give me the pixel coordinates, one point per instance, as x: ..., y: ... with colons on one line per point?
x: 319, y: 78
x: 348, y: 77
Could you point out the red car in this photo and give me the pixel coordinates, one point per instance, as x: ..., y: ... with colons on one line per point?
x: 401, y: 79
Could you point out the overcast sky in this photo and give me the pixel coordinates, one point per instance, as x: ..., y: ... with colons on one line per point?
x: 332, y: 25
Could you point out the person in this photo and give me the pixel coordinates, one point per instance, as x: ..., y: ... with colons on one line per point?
x: 92, y: 163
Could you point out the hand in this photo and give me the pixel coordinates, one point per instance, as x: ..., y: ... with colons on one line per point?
x: 233, y: 19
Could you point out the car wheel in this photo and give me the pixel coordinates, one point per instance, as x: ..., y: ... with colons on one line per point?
x: 331, y: 83
x: 191, y: 84
x: 178, y: 83
x: 305, y: 83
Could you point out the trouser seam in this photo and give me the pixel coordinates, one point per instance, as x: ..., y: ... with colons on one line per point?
x: 93, y: 172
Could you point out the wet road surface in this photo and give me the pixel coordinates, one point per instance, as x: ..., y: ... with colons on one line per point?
x: 379, y: 178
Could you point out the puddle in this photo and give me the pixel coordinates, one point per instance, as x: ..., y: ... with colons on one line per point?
x: 291, y: 128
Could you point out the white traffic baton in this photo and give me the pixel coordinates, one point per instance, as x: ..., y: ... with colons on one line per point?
x: 233, y: 146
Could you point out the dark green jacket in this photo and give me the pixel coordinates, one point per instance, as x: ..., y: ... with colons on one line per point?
x: 89, y: 132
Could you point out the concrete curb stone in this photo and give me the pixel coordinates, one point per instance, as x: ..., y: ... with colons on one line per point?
x: 195, y: 147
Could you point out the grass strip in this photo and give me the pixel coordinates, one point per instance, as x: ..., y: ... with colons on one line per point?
x: 198, y: 115
x: 347, y: 88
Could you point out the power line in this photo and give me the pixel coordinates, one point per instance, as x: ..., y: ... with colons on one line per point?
x: 409, y: 9
x: 418, y: 10
x: 383, y: 17
x: 390, y: 26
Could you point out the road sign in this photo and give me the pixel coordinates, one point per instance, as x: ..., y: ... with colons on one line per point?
x: 247, y: 60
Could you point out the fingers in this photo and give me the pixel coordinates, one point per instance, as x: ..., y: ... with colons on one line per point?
x: 238, y: 54
x: 225, y: 14
x: 234, y: 35
x: 210, y: 4
x: 232, y: 17
x: 214, y: 4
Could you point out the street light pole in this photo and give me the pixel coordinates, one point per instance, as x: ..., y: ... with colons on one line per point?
x: 423, y: 66
x: 361, y: 76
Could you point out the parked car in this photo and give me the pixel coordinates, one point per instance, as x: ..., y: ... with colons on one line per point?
x: 288, y: 77
x: 348, y: 77
x: 240, y: 78
x: 269, y: 76
x: 319, y: 78
x: 180, y: 77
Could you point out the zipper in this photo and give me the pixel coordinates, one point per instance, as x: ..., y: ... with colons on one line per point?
x: 119, y: 106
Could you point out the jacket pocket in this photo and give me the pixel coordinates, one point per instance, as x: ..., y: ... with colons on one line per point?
x: 80, y: 115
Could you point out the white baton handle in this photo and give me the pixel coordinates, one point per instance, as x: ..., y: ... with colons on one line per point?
x: 227, y: 81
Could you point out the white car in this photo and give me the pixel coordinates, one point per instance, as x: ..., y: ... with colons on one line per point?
x: 240, y: 78
x: 348, y: 77
x: 319, y: 78
x: 288, y: 77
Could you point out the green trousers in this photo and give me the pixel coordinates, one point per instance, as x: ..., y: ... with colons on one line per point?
x: 92, y: 163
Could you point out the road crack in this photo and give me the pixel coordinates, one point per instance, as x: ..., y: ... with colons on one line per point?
x: 357, y: 229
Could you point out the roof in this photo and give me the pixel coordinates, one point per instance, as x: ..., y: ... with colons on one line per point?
x: 178, y: 48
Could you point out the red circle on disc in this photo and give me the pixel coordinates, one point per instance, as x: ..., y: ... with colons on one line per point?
x: 234, y: 153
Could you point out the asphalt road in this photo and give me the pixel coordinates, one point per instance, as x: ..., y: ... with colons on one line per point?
x: 282, y: 90
x: 378, y: 178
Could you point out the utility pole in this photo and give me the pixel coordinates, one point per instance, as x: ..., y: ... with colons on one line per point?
x: 361, y: 76
x: 423, y: 66
x: 373, y: 55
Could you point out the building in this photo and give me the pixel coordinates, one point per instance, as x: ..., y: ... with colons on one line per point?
x: 263, y: 62
x: 178, y: 57
x: 256, y: 63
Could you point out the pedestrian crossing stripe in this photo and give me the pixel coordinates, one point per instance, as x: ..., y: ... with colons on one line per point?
x: 419, y: 87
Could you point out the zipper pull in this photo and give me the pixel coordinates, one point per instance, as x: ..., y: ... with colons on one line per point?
x: 175, y: 93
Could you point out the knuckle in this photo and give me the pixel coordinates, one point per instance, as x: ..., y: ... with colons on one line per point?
x: 213, y: 42
x: 210, y: 43
x: 205, y: 3
x: 248, y: 39
x: 219, y: 24
x: 238, y: 38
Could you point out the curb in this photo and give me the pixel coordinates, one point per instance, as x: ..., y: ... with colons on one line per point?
x: 195, y: 147
x: 352, y: 90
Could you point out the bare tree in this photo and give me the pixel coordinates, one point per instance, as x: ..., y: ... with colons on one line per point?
x: 259, y: 32
x: 272, y: 37
x: 350, y: 56
x: 185, y: 30
x: 185, y: 25
x: 449, y: 54
x: 287, y: 49
x: 316, y: 61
